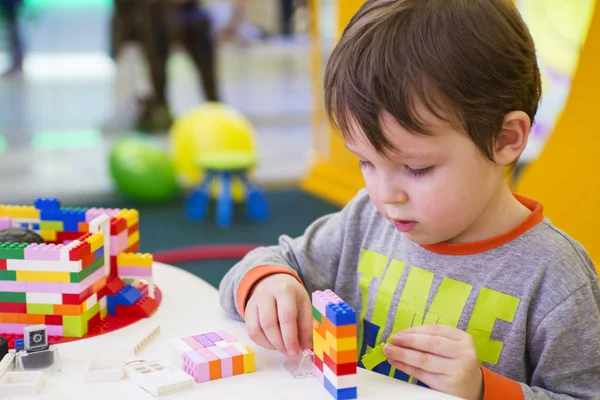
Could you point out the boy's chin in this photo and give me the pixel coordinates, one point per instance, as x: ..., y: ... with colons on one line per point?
x: 421, y: 239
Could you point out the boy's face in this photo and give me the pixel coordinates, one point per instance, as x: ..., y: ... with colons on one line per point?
x: 437, y: 188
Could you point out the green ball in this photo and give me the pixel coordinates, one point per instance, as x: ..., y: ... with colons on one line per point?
x: 142, y: 171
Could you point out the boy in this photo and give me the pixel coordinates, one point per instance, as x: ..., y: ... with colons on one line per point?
x: 474, y: 292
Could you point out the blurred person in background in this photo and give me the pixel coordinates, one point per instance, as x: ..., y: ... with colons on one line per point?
x: 156, y: 25
x: 9, y: 9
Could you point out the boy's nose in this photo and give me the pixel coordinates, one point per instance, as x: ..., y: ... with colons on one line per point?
x: 391, y: 194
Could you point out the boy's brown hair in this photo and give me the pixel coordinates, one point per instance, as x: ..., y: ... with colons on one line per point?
x: 478, y: 54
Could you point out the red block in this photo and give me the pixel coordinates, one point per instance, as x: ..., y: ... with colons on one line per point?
x: 54, y: 319
x: 133, y: 229
x: 85, y: 236
x: 20, y: 308
x: 87, y: 260
x: 144, y: 307
x: 339, y: 369
x: 318, y: 363
x: 113, y: 266
x: 93, y: 321
x: 80, y: 252
x: 77, y: 299
x: 133, y: 248
x: 117, y: 225
x: 2, y: 265
x: 62, y: 237
x: 114, y: 285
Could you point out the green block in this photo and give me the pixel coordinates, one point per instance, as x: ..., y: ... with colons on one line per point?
x: 317, y: 315
x: 13, y: 251
x: 77, y: 277
x: 44, y: 309
x: 58, y: 226
x: 74, y: 326
x: 8, y: 275
x: 89, y: 314
x: 13, y: 297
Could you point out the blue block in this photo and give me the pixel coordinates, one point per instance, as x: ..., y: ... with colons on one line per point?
x: 111, y: 305
x: 99, y: 253
x: 50, y: 215
x: 51, y: 203
x: 340, y: 394
x: 225, y: 202
x: 25, y: 225
x: 127, y: 296
x: 340, y: 314
x: 36, y: 227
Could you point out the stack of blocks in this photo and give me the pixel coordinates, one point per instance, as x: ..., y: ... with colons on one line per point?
x: 70, y: 282
x: 334, y: 344
x: 212, y: 356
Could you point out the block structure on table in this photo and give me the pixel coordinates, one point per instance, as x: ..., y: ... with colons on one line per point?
x: 212, y: 356
x: 335, y: 356
x: 68, y: 282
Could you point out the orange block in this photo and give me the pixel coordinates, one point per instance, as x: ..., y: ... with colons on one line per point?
x: 343, y: 331
x: 319, y: 328
x: 343, y: 357
x: 238, y: 364
x: 214, y: 369
x: 9, y: 318
x: 34, y: 319
x: 99, y: 285
x: 84, y: 227
x: 68, y: 309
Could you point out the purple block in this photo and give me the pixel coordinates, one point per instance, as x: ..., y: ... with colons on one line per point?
x: 5, y: 223
x: 213, y: 337
x: 204, y: 341
x: 13, y: 286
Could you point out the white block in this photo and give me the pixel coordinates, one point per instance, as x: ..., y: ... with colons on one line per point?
x: 91, y: 301
x: 103, y: 302
x: 239, y: 347
x: 178, y: 347
x: 146, y: 339
x: 104, y: 371
x: 7, y: 363
x: 22, y: 383
x: 340, y: 382
x: 96, y: 223
x: 44, y: 298
x: 44, y: 265
x: 222, y: 343
x: 64, y: 251
x: 157, y: 378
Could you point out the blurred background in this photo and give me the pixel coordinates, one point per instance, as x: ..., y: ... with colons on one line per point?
x: 135, y: 103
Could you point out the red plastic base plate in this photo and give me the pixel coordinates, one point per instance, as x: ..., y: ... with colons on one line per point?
x: 109, y: 324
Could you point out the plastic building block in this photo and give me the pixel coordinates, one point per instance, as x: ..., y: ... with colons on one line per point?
x: 301, y: 366
x: 335, y: 345
x: 127, y: 296
x: 209, y: 356
x: 46, y: 203
x: 104, y: 371
x: 43, y: 360
x: 143, y: 342
x: 7, y: 363
x: 114, y: 285
x: 157, y: 378
x: 134, y: 260
x: 21, y: 383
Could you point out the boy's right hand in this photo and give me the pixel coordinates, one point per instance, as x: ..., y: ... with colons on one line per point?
x: 279, y: 315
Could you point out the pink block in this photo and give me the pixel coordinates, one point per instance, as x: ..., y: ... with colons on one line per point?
x: 44, y: 252
x: 94, y: 213
x: 13, y: 286
x: 5, y: 223
x: 134, y: 271
x: 77, y: 288
x: 16, y: 329
x: 207, y: 354
x: 232, y: 351
x: 55, y: 330
x: 193, y: 343
x: 122, y: 239
x: 44, y: 287
x: 197, y: 365
x: 226, y: 361
x: 226, y: 337
x: 320, y: 299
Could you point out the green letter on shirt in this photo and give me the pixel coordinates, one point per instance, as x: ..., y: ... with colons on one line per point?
x: 490, y: 306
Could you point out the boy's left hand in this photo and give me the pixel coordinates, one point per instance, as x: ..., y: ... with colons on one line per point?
x: 442, y: 357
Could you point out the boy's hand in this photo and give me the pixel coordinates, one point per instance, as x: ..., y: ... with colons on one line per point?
x: 279, y: 315
x: 442, y: 357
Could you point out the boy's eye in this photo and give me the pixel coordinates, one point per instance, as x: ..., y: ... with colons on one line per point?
x: 364, y: 164
x: 418, y: 172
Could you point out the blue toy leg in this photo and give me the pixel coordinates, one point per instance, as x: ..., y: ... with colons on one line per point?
x: 256, y: 201
x: 225, y: 202
x: 196, y: 206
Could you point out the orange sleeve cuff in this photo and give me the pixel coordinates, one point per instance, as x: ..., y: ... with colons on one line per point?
x: 254, y: 276
x: 498, y: 387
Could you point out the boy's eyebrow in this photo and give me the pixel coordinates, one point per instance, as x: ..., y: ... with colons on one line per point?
x: 408, y: 155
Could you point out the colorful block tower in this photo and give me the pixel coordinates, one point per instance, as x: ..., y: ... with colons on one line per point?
x: 70, y: 282
x: 213, y: 355
x: 334, y: 344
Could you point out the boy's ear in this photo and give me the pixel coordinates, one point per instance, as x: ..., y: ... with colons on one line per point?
x: 513, y: 137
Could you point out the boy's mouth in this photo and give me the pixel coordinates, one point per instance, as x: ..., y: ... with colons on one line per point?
x: 405, y: 226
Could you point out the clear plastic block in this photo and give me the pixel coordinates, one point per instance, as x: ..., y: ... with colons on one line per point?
x: 43, y: 360
x: 302, y: 366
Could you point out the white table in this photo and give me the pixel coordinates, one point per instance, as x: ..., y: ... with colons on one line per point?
x: 190, y: 306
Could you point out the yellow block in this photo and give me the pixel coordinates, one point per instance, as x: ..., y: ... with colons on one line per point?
x: 103, y: 312
x: 320, y: 345
x: 96, y: 241
x: 565, y: 176
x: 48, y: 236
x: 43, y: 276
x: 133, y: 238
x: 134, y: 260
x: 19, y: 212
x: 343, y: 344
x: 131, y: 216
x: 249, y: 364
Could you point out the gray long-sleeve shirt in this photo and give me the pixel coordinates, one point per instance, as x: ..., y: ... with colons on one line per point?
x: 531, y: 302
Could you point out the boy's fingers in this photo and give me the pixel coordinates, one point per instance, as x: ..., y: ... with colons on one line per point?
x: 427, y: 378
x: 420, y: 360
x: 437, y: 330
x: 255, y: 331
x: 269, y: 322
x: 288, y: 321
x: 305, y: 323
x: 437, y: 345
